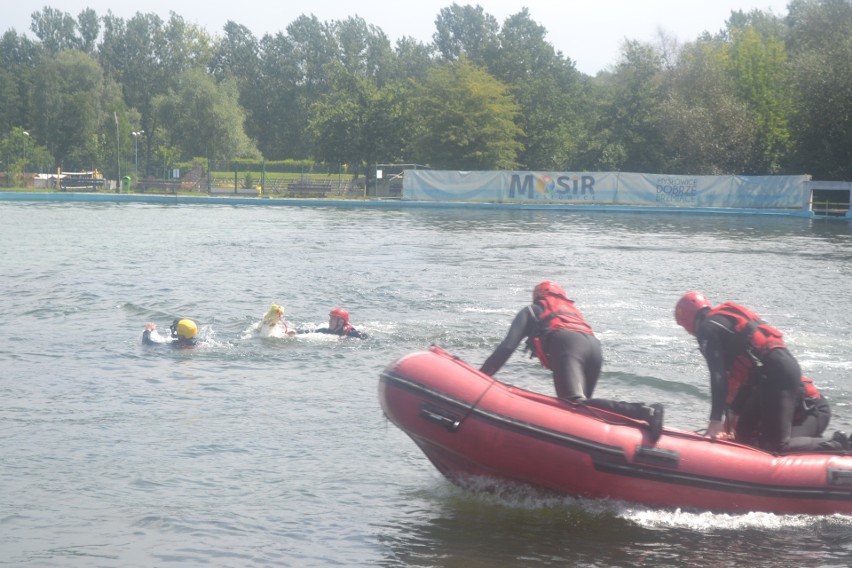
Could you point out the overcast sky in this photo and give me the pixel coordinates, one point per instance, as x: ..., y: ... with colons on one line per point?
x: 590, y: 32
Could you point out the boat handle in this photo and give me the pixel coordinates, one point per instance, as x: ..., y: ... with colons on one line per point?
x: 440, y: 416
x: 656, y: 456
x: 839, y: 476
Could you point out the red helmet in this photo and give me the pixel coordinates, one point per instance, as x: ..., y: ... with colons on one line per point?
x: 548, y: 288
x: 688, y: 307
x: 339, y: 313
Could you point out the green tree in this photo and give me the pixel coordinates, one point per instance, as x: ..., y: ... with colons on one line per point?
x: 277, y: 115
x: 820, y: 48
x: 236, y: 54
x: 356, y: 122
x: 816, y: 24
x: 147, y: 57
x: 707, y: 128
x: 88, y: 28
x: 766, y: 24
x: 465, y: 119
x: 19, y: 57
x: 412, y: 60
x: 59, y: 31
x: 56, y: 30
x: 186, y: 46
x: 203, y: 118
x: 759, y: 68
x: 74, y: 109
x: 629, y: 135
x: 18, y: 152
x: 165, y: 156
x: 313, y: 46
x: 466, y: 31
x: 338, y: 120
x: 292, y: 78
x: 130, y: 55
x: 548, y: 90
x: 364, y: 49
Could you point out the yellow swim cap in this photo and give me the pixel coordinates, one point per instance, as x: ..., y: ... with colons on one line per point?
x: 186, y: 329
x: 274, y: 314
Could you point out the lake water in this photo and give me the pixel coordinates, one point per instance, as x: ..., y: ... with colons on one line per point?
x: 274, y: 452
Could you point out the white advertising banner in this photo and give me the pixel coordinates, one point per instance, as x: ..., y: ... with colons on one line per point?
x: 762, y: 192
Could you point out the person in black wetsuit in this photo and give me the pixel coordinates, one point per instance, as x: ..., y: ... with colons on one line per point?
x: 338, y: 324
x: 184, y: 334
x: 562, y: 340
x: 813, y: 415
x: 758, y: 394
x: 810, y: 418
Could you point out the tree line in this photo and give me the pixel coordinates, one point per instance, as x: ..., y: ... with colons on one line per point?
x: 767, y: 94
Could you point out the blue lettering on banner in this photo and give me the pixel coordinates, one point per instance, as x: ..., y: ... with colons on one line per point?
x: 525, y: 188
x: 577, y: 186
x: 677, y: 190
x: 564, y: 187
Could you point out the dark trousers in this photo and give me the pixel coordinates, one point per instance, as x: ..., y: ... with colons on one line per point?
x: 576, y: 361
x: 768, y: 418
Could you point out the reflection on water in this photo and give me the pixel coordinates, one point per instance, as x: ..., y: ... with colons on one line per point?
x: 274, y: 452
x: 521, y: 527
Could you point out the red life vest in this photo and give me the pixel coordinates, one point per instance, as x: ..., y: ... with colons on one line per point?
x: 559, y: 313
x: 759, y: 337
x: 738, y: 375
x: 810, y: 388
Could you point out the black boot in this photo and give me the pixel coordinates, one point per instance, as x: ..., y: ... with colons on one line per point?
x: 652, y: 414
x: 655, y: 421
x: 839, y: 443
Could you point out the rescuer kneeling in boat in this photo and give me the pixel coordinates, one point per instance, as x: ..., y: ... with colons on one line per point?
x: 184, y: 334
x: 562, y: 340
x: 758, y: 394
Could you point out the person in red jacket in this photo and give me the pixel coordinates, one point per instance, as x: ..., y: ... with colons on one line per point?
x: 758, y: 395
x: 338, y: 324
x: 564, y: 342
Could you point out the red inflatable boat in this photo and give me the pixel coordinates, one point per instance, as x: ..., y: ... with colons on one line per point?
x: 471, y: 426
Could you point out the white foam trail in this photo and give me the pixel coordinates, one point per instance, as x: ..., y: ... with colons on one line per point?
x: 523, y: 497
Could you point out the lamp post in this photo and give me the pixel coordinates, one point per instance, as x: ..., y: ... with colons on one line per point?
x: 136, y: 152
x: 117, y: 153
x: 24, y: 166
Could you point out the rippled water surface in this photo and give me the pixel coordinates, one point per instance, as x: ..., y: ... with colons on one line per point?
x: 274, y: 452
